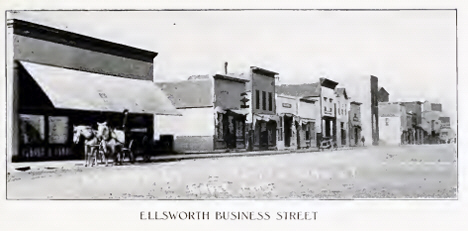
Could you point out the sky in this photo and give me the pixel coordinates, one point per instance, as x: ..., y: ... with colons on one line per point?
x: 413, y: 53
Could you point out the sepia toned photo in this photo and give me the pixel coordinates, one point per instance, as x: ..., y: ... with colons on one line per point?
x: 232, y: 105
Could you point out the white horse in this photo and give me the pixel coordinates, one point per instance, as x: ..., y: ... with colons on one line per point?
x: 91, y: 143
x: 112, y: 141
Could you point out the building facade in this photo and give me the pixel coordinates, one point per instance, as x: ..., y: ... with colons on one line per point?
x: 342, y: 117
x: 262, y: 119
x: 308, y: 113
x: 214, y: 102
x: 323, y: 92
x: 393, y: 123
x: 384, y: 96
x: 58, y: 79
x: 374, y: 104
x: 287, y: 110
x: 430, y: 122
x: 415, y: 108
x: 355, y: 125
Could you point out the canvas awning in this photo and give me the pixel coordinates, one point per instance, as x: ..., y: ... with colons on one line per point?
x: 264, y: 117
x: 79, y: 90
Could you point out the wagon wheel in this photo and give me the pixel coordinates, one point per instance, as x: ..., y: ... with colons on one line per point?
x: 128, y: 152
x: 131, y: 155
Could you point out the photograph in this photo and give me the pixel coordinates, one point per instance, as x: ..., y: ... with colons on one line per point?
x: 231, y: 105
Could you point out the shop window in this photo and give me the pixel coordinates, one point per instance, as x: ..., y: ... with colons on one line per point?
x: 32, y: 129
x: 257, y: 134
x: 239, y: 129
x: 312, y: 130
x: 58, y: 129
x: 231, y: 124
x: 220, y: 126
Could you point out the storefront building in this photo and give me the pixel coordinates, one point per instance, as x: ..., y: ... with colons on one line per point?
x: 58, y: 79
x: 309, y: 114
x: 415, y: 108
x: 321, y: 97
x: 213, y: 118
x: 286, y: 107
x: 342, y: 118
x: 430, y: 122
x: 355, y: 125
x: 262, y: 119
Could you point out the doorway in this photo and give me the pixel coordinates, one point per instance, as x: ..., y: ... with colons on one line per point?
x: 298, y: 135
x: 287, y: 131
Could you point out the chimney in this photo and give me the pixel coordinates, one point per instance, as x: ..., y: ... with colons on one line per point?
x: 225, y: 68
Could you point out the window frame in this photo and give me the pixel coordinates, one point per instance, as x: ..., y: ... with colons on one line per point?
x: 264, y: 100
x: 257, y: 99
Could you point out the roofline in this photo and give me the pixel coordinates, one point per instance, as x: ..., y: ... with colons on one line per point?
x: 344, y: 92
x: 227, y: 77
x: 308, y: 100
x: 418, y: 102
x: 332, y: 83
x: 382, y: 88
x: 37, y: 31
x: 286, y: 96
x: 357, y: 103
x: 263, y: 71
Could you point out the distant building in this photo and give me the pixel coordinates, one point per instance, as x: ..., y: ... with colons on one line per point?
x: 393, y: 123
x: 342, y: 117
x: 430, y: 122
x: 374, y: 98
x: 355, y: 125
x: 409, y: 134
x: 445, y: 122
x: 436, y: 107
x: 415, y: 108
x: 383, y: 95
x: 447, y: 135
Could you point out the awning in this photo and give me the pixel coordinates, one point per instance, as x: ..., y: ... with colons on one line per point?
x: 265, y: 118
x: 306, y: 120
x: 79, y: 90
x: 287, y: 114
x: 237, y: 111
x: 240, y: 111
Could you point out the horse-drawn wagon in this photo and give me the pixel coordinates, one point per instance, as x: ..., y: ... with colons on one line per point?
x: 107, y: 142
